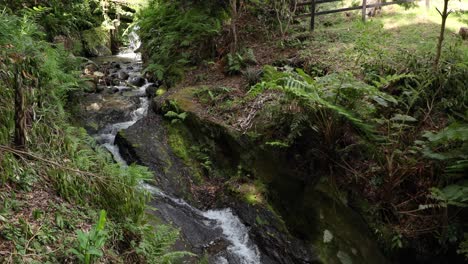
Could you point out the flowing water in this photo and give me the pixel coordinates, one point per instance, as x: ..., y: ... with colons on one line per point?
x: 240, y: 250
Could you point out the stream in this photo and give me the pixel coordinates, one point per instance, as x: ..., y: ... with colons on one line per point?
x: 220, y: 229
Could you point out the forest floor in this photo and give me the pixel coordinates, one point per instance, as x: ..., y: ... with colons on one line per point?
x: 340, y: 43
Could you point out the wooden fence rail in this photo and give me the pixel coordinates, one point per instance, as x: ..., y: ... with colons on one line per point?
x: 313, y: 6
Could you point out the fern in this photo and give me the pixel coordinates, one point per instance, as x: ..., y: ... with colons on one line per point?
x: 334, y: 93
x: 450, y: 145
x: 175, y: 35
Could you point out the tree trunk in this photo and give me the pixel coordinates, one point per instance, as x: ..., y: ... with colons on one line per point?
x: 444, y: 14
x: 20, y: 112
x: 234, y: 46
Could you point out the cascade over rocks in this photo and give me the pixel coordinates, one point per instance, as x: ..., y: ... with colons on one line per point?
x: 137, y: 81
x: 155, y: 142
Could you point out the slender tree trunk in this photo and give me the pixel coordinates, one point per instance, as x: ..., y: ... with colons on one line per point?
x: 20, y: 112
x: 444, y: 14
x: 234, y: 46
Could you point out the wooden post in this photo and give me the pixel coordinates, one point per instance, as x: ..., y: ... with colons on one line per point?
x: 428, y: 4
x: 312, y: 16
x: 364, y: 10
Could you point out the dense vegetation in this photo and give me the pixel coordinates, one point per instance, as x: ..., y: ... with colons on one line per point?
x: 56, y: 179
x: 378, y: 110
x: 387, y: 117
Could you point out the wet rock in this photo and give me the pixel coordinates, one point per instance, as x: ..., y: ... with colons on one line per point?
x: 90, y: 68
x: 115, y: 65
x: 100, y: 88
x: 99, y: 51
x: 98, y: 74
x: 272, y: 237
x: 306, y: 210
x: 122, y: 75
x: 89, y: 86
x: 146, y: 143
x: 137, y: 81
x: 95, y: 111
x: 151, y: 91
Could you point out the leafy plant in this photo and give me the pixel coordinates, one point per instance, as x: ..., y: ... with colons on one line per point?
x: 175, y: 114
x: 450, y: 145
x: 90, y: 244
x: 175, y: 35
x: 239, y: 60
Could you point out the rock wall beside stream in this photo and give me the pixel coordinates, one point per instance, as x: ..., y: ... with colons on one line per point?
x: 296, y: 219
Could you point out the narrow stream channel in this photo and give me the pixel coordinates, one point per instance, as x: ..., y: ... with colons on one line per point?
x: 240, y: 248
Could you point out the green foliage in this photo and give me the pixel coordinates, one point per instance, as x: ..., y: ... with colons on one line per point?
x: 328, y: 97
x: 156, y: 245
x: 176, y: 115
x: 176, y: 35
x: 90, y: 243
x: 239, y: 60
x: 455, y: 194
x: 60, y: 156
x: 450, y: 145
x: 464, y: 247
x: 62, y: 17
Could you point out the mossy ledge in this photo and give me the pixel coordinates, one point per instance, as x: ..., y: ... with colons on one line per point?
x: 268, y: 189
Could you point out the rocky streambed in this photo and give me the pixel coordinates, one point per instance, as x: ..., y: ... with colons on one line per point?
x: 221, y: 219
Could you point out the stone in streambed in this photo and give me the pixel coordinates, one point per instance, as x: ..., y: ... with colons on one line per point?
x: 96, y: 111
x: 154, y: 90
x: 89, y: 86
x: 137, y: 81
x: 122, y: 75
x: 115, y: 65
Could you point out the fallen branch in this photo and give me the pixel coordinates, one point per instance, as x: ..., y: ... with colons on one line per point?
x: 22, y: 153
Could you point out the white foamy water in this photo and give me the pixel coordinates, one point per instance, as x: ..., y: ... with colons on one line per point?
x: 107, y: 137
x: 233, y: 229
x: 241, y: 249
x: 236, y: 233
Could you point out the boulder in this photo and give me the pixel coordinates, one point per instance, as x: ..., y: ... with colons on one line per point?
x: 89, y: 86
x: 90, y: 68
x: 115, y: 65
x: 98, y: 74
x: 96, y: 111
x: 122, y: 75
x: 151, y: 91
x: 137, y: 81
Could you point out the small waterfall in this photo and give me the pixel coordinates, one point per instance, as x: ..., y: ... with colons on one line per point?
x: 241, y: 249
x: 107, y: 136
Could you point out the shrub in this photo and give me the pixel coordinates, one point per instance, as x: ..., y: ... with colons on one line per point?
x: 177, y: 34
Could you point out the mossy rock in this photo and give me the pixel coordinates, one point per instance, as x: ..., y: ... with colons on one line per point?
x: 308, y: 207
x: 337, y: 233
x: 97, y: 41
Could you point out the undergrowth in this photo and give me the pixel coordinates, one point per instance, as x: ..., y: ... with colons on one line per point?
x: 178, y: 34
x: 61, y: 160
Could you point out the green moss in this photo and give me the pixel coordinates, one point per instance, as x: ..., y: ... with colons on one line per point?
x: 178, y: 139
x: 160, y: 91
x: 260, y: 221
x: 185, y: 99
x: 178, y: 143
x: 97, y: 41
